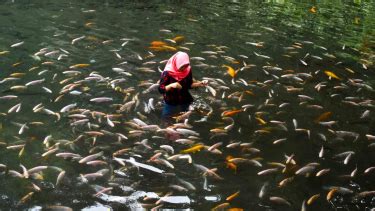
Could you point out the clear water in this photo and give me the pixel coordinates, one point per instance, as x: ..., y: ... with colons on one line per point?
x: 341, y: 33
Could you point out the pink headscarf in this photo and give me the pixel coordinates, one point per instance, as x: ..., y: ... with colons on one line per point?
x: 175, y: 62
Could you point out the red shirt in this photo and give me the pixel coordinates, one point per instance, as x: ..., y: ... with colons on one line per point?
x: 176, y: 96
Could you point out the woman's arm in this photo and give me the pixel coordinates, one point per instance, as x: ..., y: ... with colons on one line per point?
x: 164, y: 86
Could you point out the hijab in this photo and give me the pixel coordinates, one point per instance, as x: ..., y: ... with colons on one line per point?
x: 175, y: 62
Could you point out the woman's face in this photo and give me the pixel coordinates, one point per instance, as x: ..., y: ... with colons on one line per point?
x: 183, y: 67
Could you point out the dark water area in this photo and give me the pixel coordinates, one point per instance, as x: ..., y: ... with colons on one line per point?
x: 299, y: 102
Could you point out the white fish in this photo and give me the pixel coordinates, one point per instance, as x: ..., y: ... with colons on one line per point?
x: 145, y: 166
x: 212, y: 90
x: 109, y: 122
x: 262, y: 191
x: 329, y: 123
x: 35, y: 82
x: 15, y: 108
x: 91, y: 157
x: 346, y: 161
x: 60, y: 178
x: 303, y: 62
x: 118, y: 55
x: 47, y: 90
x: 322, y: 172
x: 268, y: 28
x: 295, y: 123
x: 365, y: 114
x: 370, y: 137
x: 167, y: 148
x: 151, y: 104
x: 68, y: 107
x: 304, y: 170
x: 22, y: 129
x: 51, y: 53
x: 263, y: 56
x: 187, y: 132
x: 17, y: 44
x: 118, y: 69
x: 139, y: 122
x: 146, y: 108
x: 77, y: 39
x: 101, y: 99
x: 8, y: 97
x: 279, y: 140
x: 321, y: 152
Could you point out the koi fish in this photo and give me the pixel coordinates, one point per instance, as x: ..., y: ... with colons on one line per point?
x: 230, y: 70
x: 230, y: 164
x: 163, y: 48
x: 313, y: 9
x: 331, y: 74
x: 178, y: 38
x: 158, y: 43
x: 4, y: 52
x: 331, y: 193
x: 323, y: 117
x: 312, y: 199
x: 234, y: 195
x: 261, y: 121
x: 79, y: 66
x: 231, y: 113
x: 193, y: 149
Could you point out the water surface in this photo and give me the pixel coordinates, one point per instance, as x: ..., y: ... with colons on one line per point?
x: 263, y: 40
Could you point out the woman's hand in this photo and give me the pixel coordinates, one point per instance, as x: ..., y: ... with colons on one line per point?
x: 204, y: 82
x: 199, y: 84
x: 174, y: 85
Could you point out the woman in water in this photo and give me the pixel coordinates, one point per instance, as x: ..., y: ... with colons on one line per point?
x: 175, y: 82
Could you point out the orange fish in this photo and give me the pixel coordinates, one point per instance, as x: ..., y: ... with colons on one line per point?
x: 79, y: 66
x: 312, y: 199
x: 155, y: 48
x: 331, y: 193
x: 313, y: 9
x: 218, y: 130
x: 158, y: 43
x: 235, y: 209
x: 250, y: 92
x: 230, y: 70
x: 288, y: 71
x: 178, y: 38
x: 229, y: 157
x: 234, y: 195
x: 231, y: 113
x: 323, y: 117
x: 193, y: 149
x: 169, y: 48
x: 261, y: 121
x: 331, y: 74
x: 162, y: 48
x: 230, y: 164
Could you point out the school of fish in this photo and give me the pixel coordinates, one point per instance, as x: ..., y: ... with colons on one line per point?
x: 76, y: 127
